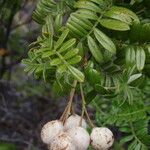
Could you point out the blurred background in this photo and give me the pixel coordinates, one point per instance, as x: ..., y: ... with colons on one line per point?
x: 25, y: 104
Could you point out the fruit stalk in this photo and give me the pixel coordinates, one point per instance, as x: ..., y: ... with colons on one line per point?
x: 67, y: 110
x: 84, y: 110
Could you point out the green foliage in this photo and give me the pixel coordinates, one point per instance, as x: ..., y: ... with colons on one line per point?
x: 105, y: 45
x: 57, y: 59
x: 7, y: 146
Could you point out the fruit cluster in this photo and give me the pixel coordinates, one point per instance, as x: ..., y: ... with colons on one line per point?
x: 72, y: 135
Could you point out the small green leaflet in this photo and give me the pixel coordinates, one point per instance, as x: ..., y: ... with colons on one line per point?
x: 140, y: 58
x: 61, y: 39
x: 100, y: 2
x: 105, y: 41
x: 71, y: 53
x: 148, y: 48
x: 74, y: 60
x: 74, y: 29
x: 114, y: 24
x: 48, y: 27
x: 87, y: 14
x: 61, y: 69
x: 56, y: 62
x: 130, y: 56
x: 119, y: 16
x: 101, y: 90
x: 48, y: 54
x: 87, y: 5
x: 95, y: 50
x: 93, y: 76
x: 126, y: 139
x: 90, y: 96
x: 123, y: 10
x: 67, y: 45
x: 58, y: 22
x: 74, y: 17
x: 81, y: 49
x: 76, y: 73
x: 134, y: 77
x: 78, y: 26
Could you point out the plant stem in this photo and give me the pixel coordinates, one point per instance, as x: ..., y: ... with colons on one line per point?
x: 88, y: 117
x: 67, y: 110
x: 83, y: 103
x: 84, y: 110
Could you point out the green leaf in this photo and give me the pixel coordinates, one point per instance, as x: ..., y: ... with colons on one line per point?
x: 30, y: 69
x: 125, y: 129
x: 61, y: 69
x: 77, y: 26
x: 138, y: 146
x: 58, y: 22
x: 100, y: 2
x: 92, y: 76
x: 126, y: 139
x: 71, y: 53
x: 130, y: 56
x: 101, y: 90
x: 74, y: 29
x: 87, y: 14
x: 95, y: 50
x: 119, y: 16
x: 55, y: 62
x: 132, y: 145
x: 114, y: 24
x: 44, y: 73
x: 48, y: 27
x: 74, y: 60
x: 123, y: 10
x: 90, y: 96
x: 48, y: 54
x: 105, y: 41
x: 140, y: 58
x: 76, y: 73
x: 76, y: 18
x: 81, y: 49
x: 26, y: 61
x: 61, y: 39
x: 87, y: 5
x: 134, y: 77
x: 67, y: 45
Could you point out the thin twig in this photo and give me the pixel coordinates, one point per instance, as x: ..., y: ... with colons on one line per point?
x: 73, y: 109
x: 67, y: 110
x: 83, y: 103
x: 88, y: 117
x: 84, y: 110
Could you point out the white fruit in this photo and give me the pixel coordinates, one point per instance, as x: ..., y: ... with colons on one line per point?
x: 80, y: 136
x: 50, y: 130
x: 62, y: 142
x: 74, y: 121
x: 101, y: 138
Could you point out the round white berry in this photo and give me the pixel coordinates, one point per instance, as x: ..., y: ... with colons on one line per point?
x: 62, y: 142
x: 74, y: 121
x: 80, y: 136
x: 101, y: 138
x: 50, y: 130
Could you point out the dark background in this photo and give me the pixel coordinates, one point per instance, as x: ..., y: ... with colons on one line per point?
x: 25, y: 104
